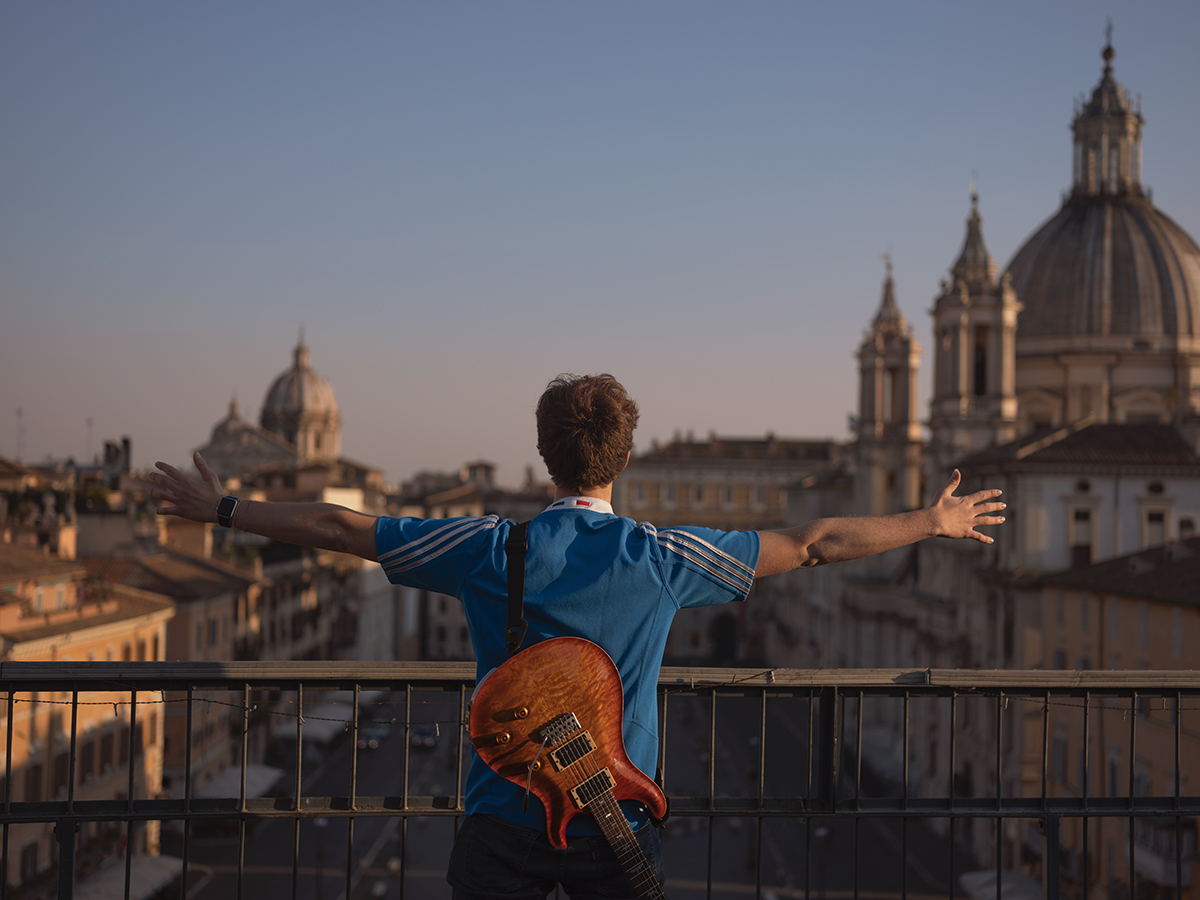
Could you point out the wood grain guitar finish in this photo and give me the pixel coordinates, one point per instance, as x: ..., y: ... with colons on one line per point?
x: 550, y: 718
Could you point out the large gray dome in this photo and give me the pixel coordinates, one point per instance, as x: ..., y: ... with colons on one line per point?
x: 1108, y: 265
x: 299, y: 391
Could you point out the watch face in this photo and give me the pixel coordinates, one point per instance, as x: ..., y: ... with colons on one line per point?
x: 225, y: 511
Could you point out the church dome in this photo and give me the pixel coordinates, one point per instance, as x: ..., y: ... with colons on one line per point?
x: 301, y: 408
x: 1109, y: 268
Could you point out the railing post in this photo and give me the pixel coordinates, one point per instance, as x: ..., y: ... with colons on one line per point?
x: 64, y: 832
x: 829, y: 748
x: 1050, y: 858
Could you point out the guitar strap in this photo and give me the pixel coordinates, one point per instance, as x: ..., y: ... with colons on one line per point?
x: 515, y: 548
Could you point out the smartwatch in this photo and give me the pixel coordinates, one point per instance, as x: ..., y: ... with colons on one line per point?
x: 225, y: 510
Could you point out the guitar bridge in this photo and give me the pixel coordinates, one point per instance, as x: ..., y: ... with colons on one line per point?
x: 559, y: 729
x: 572, y: 751
x: 591, y: 788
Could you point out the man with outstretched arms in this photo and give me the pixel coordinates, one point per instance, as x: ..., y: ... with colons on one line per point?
x: 588, y: 573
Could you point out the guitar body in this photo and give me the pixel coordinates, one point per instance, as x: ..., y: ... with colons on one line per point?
x: 521, y: 716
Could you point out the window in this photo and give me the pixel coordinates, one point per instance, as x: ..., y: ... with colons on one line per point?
x: 760, y: 495
x: 37, y: 600
x: 1113, y: 619
x: 670, y: 493
x: 1060, y: 659
x: 1187, y: 528
x: 1081, y: 538
x: 106, y: 752
x: 1085, y: 611
x: 1156, y: 528
x: 212, y: 631
x: 141, y: 651
x: 33, y: 783
x: 1060, y: 610
x: 29, y: 862
x: 637, y: 493
x: 58, y: 597
x: 224, y: 626
x: 697, y: 495
x: 154, y: 648
x: 1114, y: 168
x: 123, y: 746
x: 87, y: 761
x: 1177, y: 632
x: 62, y: 772
x: 1143, y: 624
x: 199, y: 636
x: 126, y: 653
x: 727, y: 493
x: 979, y: 372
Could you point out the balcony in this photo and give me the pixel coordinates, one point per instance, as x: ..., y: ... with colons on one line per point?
x: 334, y: 780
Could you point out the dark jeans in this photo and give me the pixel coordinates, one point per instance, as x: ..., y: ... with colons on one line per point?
x: 493, y: 858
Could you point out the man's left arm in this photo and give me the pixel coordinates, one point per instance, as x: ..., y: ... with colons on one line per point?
x: 835, y: 540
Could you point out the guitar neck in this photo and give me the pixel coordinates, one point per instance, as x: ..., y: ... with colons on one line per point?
x: 620, y: 837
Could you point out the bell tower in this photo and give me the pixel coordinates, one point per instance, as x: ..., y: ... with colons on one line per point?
x: 974, y: 370
x: 1107, y: 131
x: 888, y: 477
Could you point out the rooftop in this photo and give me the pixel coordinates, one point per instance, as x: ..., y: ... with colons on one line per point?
x: 23, y: 564
x: 1086, y: 443
x: 1166, y: 574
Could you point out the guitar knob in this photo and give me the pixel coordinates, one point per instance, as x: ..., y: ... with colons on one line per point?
x: 522, y: 712
x: 535, y: 765
x: 503, y: 738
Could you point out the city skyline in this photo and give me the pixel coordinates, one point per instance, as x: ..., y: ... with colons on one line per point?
x: 457, y: 203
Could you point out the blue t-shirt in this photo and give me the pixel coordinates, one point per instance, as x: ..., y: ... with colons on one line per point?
x: 588, y: 574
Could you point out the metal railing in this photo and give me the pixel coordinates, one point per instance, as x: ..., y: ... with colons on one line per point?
x: 927, y: 761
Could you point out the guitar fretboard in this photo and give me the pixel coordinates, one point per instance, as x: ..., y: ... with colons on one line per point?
x: 607, y: 813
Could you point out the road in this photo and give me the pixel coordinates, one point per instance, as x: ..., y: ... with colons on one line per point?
x: 791, y: 850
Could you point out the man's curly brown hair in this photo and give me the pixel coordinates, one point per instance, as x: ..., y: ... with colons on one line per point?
x: 585, y: 430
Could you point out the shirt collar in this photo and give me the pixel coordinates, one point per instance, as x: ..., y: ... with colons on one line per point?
x: 595, y: 504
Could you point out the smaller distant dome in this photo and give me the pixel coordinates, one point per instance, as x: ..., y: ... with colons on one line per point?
x: 300, y: 393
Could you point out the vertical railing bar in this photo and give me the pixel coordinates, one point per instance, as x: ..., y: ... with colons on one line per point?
x: 950, y: 793
x: 407, y: 726
x: 1178, y: 832
x: 354, y: 753
x: 1045, y: 742
x: 403, y: 849
x: 999, y: 791
x: 762, y: 751
x: 904, y: 750
x: 712, y: 780
x: 858, y: 752
x: 7, y: 794
x: 1133, y: 714
x: 187, y: 789
x: 299, y: 744
x: 241, y: 863
x: 811, y: 729
x: 758, y: 860
x: 1087, y: 770
x: 299, y: 791
x: 662, y: 742
x: 462, y: 732
x: 712, y: 750
x: 904, y: 798
x: 129, y: 806
x: 244, y: 751
x: 73, y: 745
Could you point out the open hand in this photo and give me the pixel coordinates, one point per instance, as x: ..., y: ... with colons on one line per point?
x: 188, y: 497
x: 958, y: 517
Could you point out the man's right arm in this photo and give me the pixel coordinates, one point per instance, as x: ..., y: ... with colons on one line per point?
x: 835, y: 540
x: 323, y: 526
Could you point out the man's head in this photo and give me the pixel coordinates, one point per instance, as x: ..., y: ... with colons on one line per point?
x: 585, y: 430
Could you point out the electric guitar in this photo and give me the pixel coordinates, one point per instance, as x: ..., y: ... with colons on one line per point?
x: 549, y: 720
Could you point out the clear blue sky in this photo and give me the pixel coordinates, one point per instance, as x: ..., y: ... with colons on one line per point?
x: 460, y: 200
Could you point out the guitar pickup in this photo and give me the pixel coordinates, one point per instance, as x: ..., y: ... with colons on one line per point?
x: 572, y: 751
x: 591, y: 788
